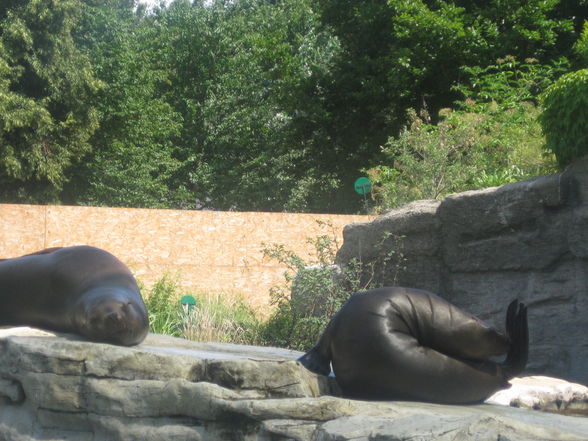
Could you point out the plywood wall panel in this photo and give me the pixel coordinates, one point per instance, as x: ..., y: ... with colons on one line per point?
x: 209, y: 250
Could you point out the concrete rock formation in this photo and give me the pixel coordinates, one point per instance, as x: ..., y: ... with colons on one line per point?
x: 58, y: 387
x: 546, y: 394
x: 481, y: 249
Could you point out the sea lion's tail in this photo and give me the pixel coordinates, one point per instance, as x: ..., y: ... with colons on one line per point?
x: 518, y: 332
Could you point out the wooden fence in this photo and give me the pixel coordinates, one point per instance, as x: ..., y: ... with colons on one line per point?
x: 208, y: 250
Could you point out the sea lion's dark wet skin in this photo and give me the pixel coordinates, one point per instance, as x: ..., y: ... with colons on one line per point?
x: 407, y: 344
x: 82, y: 290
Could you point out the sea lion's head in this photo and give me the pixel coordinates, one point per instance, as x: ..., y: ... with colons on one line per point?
x: 112, y: 314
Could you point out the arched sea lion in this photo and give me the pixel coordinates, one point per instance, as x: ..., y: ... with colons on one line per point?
x: 81, y: 289
x: 408, y: 344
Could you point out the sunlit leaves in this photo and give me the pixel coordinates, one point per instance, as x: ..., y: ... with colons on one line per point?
x: 565, y: 117
x: 46, y: 99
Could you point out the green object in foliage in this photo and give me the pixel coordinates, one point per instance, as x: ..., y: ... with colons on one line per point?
x: 363, y: 185
x: 188, y: 302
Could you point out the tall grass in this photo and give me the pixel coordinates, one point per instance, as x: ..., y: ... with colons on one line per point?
x: 221, y: 318
x: 216, y: 317
x: 163, y: 306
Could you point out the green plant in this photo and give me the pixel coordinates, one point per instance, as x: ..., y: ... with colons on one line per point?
x: 499, y: 177
x: 315, y: 289
x: 221, y: 318
x: 428, y: 161
x: 163, y: 307
x: 565, y: 117
x: 215, y: 317
x: 48, y: 93
x: 493, y: 138
x: 507, y: 83
x: 581, y: 46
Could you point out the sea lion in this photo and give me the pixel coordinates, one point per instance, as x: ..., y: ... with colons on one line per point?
x: 408, y: 344
x: 81, y: 289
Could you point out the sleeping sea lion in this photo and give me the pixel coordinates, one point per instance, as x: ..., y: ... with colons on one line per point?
x: 408, y: 344
x: 81, y: 290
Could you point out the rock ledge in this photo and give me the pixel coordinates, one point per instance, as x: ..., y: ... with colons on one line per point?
x: 58, y: 387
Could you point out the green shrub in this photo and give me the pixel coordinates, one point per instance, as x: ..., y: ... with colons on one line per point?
x: 297, y: 320
x: 565, y: 117
x: 492, y: 138
x: 508, y: 83
x: 581, y: 47
x: 315, y: 289
x: 215, y: 317
x: 221, y: 318
x: 163, y: 307
x: 465, y: 150
x: 428, y: 161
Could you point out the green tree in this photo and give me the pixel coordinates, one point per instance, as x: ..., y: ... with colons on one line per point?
x: 581, y: 47
x: 246, y: 80
x: 408, y: 54
x: 46, y: 98
x: 565, y: 117
x: 522, y: 28
x: 132, y: 162
x: 492, y: 138
x: 258, y: 104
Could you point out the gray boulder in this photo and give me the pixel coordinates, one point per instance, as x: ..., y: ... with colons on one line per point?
x: 59, y: 387
x: 546, y: 394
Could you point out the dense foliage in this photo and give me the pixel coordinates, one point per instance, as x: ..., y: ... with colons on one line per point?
x: 133, y: 157
x: 565, y: 116
x: 214, y: 316
x: 46, y: 93
x: 272, y: 105
x: 316, y: 288
x: 491, y: 137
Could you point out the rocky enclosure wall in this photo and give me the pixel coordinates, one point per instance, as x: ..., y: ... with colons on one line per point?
x: 210, y: 250
x: 60, y: 387
x: 481, y: 249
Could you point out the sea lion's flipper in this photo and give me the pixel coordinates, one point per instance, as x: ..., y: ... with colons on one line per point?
x: 511, y: 316
x: 318, y: 359
x: 518, y: 331
x: 315, y: 362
